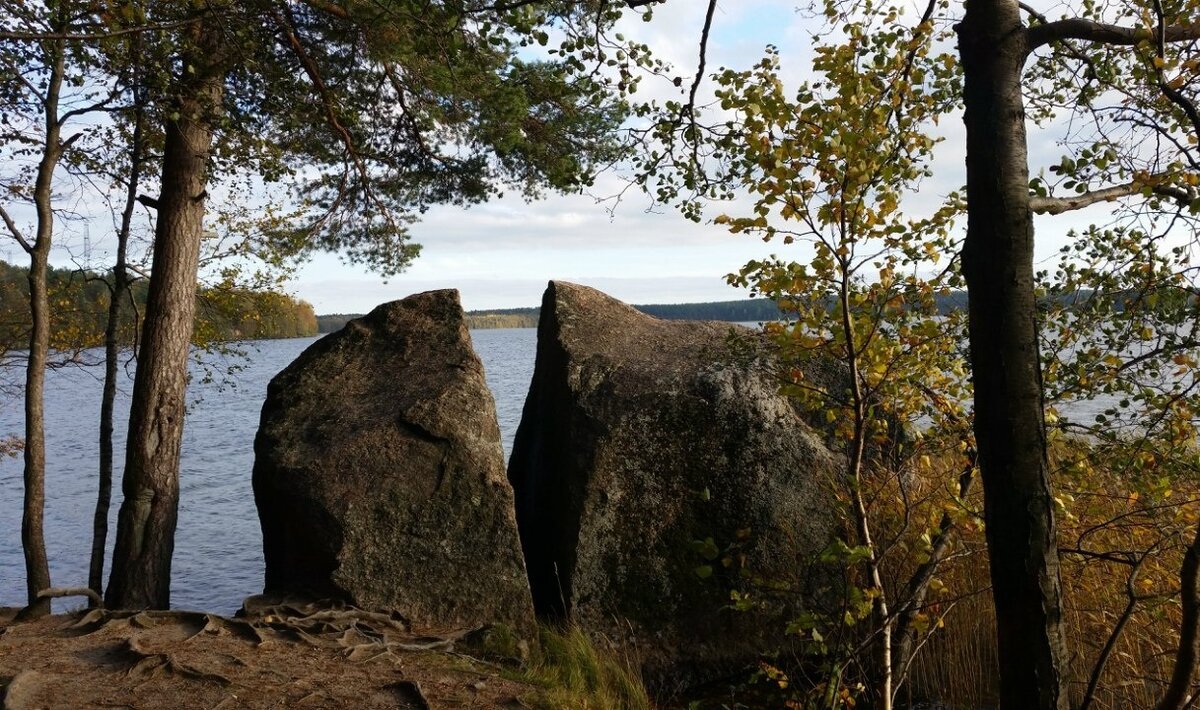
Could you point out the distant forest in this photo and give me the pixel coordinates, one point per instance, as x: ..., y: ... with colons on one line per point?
x: 734, y: 311
x: 748, y: 310
x: 80, y: 301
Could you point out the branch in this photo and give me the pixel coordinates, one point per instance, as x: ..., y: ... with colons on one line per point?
x: 1131, y: 603
x: 1103, y: 33
x: 414, y: 130
x: 1177, y: 693
x: 328, y: 8
x: 515, y: 4
x: 1059, y: 205
x: 16, y: 233
x: 691, y: 104
x: 90, y: 36
x: 60, y: 592
x: 98, y: 106
x: 322, y: 90
x: 708, y: 18
x: 1174, y: 95
x: 917, y: 589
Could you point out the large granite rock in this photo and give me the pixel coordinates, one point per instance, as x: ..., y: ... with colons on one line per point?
x: 379, y: 474
x: 657, y: 469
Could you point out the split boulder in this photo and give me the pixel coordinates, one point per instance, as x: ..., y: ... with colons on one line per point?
x: 379, y: 474
x: 656, y: 470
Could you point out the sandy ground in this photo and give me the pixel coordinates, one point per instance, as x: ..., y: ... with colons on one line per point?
x: 279, y: 656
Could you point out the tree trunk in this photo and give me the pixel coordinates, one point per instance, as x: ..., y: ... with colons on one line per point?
x: 1009, y: 423
x: 881, y: 672
x: 33, y: 542
x: 141, y: 574
x: 112, y: 333
x: 1179, y: 691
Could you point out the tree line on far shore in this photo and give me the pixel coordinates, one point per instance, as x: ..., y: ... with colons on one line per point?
x: 734, y: 311
x: 81, y: 300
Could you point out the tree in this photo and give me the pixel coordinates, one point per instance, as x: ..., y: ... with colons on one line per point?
x: 33, y: 80
x: 119, y: 295
x: 146, y: 523
x: 827, y: 171
x: 995, y: 44
x: 406, y: 104
x: 1009, y: 426
x: 1120, y: 320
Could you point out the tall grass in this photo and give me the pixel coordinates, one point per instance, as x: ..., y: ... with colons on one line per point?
x: 580, y: 674
x: 957, y: 666
x: 1108, y: 521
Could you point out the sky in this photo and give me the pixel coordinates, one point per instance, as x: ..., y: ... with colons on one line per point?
x: 501, y: 254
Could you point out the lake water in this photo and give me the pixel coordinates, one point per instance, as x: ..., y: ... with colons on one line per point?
x: 218, y: 545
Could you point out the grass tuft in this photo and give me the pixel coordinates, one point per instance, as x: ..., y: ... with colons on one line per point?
x: 579, y: 674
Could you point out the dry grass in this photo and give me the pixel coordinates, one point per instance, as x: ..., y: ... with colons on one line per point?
x: 1111, y: 520
x: 579, y: 674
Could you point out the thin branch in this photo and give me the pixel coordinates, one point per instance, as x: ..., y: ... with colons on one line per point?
x: 90, y: 36
x: 409, y: 117
x: 323, y: 92
x: 1111, y: 644
x: 691, y: 104
x: 1182, y: 675
x: 328, y: 8
x: 1120, y: 557
x: 506, y: 6
x: 105, y: 106
x: 16, y: 233
x: 1174, y: 95
x: 515, y: 4
x: 1059, y: 205
x: 918, y: 585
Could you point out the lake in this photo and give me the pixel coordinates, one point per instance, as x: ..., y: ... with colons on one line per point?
x: 218, y: 545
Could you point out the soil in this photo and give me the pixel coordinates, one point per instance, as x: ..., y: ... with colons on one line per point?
x: 276, y: 656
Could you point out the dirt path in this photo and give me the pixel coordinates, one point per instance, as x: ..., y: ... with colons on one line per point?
x: 281, y: 657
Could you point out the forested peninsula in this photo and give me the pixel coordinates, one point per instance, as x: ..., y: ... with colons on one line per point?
x: 81, y: 297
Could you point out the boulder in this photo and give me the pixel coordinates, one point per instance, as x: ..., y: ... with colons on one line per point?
x: 656, y: 470
x: 379, y: 474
